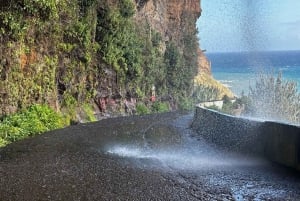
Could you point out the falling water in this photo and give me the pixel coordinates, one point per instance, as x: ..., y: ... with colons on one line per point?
x: 186, y: 154
x: 243, y: 175
x: 187, y: 159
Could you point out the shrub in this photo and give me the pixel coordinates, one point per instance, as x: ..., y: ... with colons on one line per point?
x: 88, y: 110
x: 186, y: 103
x: 127, y: 9
x: 142, y: 109
x: 160, y: 107
x: 3, y: 142
x: 204, y: 93
x: 34, y: 120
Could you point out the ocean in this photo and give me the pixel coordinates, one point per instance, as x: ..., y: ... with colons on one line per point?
x: 239, y: 70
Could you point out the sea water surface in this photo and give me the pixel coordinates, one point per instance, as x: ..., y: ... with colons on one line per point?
x: 239, y: 70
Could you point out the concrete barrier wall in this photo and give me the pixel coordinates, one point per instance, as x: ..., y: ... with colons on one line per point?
x: 218, y: 104
x: 282, y: 143
x: 275, y: 141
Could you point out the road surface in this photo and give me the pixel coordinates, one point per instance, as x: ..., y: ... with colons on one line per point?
x: 153, y: 157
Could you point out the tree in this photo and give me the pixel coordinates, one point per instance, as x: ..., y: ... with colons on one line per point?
x: 117, y: 39
x: 174, y: 62
x: 274, y: 98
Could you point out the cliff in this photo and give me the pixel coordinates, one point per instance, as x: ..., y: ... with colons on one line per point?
x: 204, y: 65
x: 206, y: 84
x: 172, y: 19
x: 175, y: 20
x: 108, y: 54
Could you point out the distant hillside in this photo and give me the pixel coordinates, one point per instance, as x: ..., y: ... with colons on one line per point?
x: 214, y: 89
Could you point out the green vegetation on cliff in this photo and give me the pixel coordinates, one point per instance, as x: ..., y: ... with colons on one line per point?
x: 46, y: 53
x: 64, y: 54
x: 209, y: 89
x: 69, y: 54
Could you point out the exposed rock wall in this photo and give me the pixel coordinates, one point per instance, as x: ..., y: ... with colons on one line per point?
x: 171, y: 18
x: 56, y: 58
x: 204, y: 64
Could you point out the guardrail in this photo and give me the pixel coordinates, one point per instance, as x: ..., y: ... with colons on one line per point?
x: 217, y: 103
x: 275, y: 141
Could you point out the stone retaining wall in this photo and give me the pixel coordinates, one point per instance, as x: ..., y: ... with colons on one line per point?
x: 276, y: 141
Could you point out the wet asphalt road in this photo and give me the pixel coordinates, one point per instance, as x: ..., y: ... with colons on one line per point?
x: 154, y: 157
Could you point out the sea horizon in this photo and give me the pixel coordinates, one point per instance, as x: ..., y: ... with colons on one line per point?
x: 238, y: 70
x: 248, y: 51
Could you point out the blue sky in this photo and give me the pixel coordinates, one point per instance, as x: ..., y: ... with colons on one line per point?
x: 249, y: 25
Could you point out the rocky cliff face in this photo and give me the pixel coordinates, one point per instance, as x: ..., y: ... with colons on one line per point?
x: 204, y: 65
x: 173, y: 19
x: 169, y: 17
x: 90, y: 51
